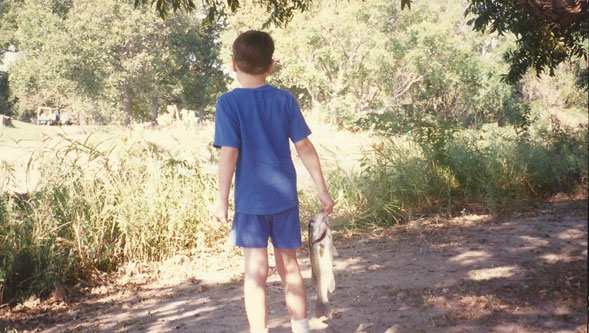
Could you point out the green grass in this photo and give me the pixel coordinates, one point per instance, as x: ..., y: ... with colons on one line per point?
x: 401, y: 177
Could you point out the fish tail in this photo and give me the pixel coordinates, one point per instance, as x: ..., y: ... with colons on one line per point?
x: 322, y: 309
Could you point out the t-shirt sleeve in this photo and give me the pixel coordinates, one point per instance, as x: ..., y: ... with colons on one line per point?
x: 298, y: 129
x: 226, y: 128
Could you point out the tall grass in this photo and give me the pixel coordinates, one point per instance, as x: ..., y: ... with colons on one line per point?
x: 98, y: 205
x: 448, y: 171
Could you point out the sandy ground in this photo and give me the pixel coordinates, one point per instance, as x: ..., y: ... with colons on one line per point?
x: 525, y: 272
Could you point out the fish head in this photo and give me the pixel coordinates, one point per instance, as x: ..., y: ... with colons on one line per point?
x: 318, y: 227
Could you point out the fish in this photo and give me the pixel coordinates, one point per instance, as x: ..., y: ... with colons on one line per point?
x: 321, y: 252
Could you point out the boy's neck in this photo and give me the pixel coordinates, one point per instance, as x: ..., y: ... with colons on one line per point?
x: 250, y: 81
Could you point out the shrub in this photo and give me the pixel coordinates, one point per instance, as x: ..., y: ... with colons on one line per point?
x: 445, y: 171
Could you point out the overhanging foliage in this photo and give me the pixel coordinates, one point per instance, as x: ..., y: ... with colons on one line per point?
x: 548, y: 31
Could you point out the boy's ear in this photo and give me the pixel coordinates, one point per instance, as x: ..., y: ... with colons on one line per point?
x: 234, y: 64
x: 270, y: 67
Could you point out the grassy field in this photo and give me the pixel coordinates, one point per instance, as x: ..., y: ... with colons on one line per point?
x: 82, y: 200
x: 25, y: 144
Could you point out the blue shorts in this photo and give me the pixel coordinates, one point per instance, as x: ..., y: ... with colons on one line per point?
x: 284, y: 229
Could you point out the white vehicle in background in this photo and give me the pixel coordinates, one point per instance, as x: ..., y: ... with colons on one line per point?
x: 69, y: 118
x: 47, y: 116
x: 54, y: 116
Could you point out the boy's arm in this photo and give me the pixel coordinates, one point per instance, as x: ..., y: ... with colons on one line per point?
x: 308, y: 155
x: 227, y: 161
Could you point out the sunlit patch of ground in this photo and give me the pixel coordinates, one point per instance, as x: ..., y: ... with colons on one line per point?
x: 470, y: 257
x: 494, y: 273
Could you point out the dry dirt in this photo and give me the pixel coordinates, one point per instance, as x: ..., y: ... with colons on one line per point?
x: 523, y: 272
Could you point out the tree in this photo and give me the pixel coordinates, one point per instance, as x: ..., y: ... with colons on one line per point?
x: 195, y: 66
x: 111, y: 52
x: 425, y: 62
x: 35, y: 79
x: 560, y: 12
x: 548, y: 31
x: 109, y: 62
x: 280, y: 12
x: 317, y: 55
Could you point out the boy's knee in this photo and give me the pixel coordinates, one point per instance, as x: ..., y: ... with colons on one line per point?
x: 256, y: 274
x: 289, y: 266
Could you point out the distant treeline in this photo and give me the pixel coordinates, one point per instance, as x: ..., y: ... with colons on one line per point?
x: 109, y: 62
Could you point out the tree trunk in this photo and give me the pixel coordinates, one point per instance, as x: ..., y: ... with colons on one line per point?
x: 561, y: 12
x: 5, y: 121
x: 315, y: 104
x: 201, y: 113
x: 126, y: 103
x: 96, y: 116
x: 155, y: 105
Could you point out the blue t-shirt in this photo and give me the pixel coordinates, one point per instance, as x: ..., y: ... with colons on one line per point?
x: 259, y: 122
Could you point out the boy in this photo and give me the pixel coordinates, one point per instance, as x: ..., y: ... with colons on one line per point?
x: 252, y: 127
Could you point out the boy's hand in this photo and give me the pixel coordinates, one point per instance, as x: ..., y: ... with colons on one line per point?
x: 220, y: 212
x: 326, y: 203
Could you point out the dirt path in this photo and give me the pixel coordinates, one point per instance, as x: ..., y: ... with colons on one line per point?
x: 476, y: 273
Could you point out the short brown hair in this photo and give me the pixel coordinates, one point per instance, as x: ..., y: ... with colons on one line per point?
x: 253, y: 51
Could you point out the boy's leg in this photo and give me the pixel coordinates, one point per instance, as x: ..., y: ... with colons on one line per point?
x: 254, y: 285
x: 294, y: 290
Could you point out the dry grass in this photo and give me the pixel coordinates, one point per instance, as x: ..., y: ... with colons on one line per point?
x: 86, y: 199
